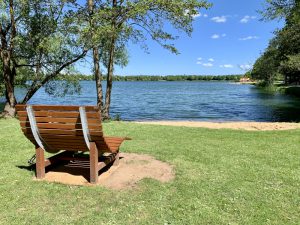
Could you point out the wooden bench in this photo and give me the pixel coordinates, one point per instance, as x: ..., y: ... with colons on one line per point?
x: 69, y: 128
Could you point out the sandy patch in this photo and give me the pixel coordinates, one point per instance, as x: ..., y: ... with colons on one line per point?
x: 228, y: 125
x: 131, y: 169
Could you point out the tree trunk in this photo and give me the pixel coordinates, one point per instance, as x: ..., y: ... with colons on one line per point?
x: 109, y: 79
x: 32, y: 90
x: 98, y: 78
x: 96, y: 58
x: 8, y: 78
x: 9, y: 71
x: 110, y: 68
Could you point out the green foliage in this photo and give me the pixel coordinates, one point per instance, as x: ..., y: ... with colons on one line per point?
x: 291, y: 66
x: 121, y: 57
x: 248, y: 74
x: 281, y: 58
x: 48, y: 38
x: 266, y: 67
x: 117, y: 118
x: 46, y: 41
x: 23, y: 75
x: 150, y: 17
x: 278, y: 9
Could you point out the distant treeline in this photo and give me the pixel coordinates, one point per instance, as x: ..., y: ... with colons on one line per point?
x: 160, y: 78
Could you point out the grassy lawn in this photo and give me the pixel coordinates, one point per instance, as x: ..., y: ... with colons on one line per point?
x: 222, y: 177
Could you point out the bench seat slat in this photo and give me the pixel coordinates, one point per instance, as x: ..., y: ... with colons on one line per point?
x: 67, y: 137
x: 55, y: 107
x: 62, y: 132
x: 69, y: 148
x: 57, y: 114
x: 93, y: 121
x: 69, y: 126
x: 71, y: 144
x: 65, y: 141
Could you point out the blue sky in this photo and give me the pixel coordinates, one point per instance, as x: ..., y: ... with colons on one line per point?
x: 226, y: 40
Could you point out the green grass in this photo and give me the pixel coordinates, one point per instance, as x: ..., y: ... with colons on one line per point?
x: 222, y: 177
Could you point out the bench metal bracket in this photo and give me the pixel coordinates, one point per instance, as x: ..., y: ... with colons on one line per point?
x: 84, y: 124
x: 34, y: 128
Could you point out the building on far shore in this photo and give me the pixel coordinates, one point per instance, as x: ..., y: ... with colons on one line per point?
x: 245, y: 80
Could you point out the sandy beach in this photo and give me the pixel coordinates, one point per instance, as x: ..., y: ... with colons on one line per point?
x: 263, y: 126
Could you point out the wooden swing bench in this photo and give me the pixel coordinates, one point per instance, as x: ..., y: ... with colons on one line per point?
x: 72, y: 129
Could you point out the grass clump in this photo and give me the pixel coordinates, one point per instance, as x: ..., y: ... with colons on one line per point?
x: 222, y: 177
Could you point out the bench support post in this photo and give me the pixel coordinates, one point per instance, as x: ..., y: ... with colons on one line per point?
x: 93, y: 163
x: 40, y: 163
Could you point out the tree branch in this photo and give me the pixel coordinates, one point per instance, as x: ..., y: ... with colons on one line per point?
x: 35, y: 85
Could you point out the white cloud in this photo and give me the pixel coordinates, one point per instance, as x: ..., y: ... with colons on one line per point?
x: 248, y: 38
x: 199, y: 61
x: 205, y: 15
x: 215, y: 36
x: 226, y: 66
x: 219, y: 19
x: 246, y: 19
x: 246, y: 67
x: 207, y: 64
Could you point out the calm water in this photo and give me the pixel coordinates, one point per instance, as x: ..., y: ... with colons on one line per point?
x: 210, y: 101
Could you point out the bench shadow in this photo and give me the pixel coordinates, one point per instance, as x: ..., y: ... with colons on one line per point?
x: 29, y: 168
x: 73, y: 167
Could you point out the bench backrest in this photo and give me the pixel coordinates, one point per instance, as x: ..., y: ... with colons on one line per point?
x: 61, y: 127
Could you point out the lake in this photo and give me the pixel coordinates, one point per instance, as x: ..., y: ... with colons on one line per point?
x: 183, y: 100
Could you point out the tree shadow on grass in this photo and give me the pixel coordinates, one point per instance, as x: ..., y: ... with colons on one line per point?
x: 2, y: 104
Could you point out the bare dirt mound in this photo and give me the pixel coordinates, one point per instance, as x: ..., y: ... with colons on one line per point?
x: 264, y: 126
x: 131, y: 169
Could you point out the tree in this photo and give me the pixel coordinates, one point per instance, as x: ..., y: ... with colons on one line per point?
x: 8, y: 32
x: 55, y: 45
x: 40, y: 36
x: 278, y: 9
x: 95, y: 42
x: 139, y: 20
x: 266, y: 67
x: 291, y: 69
x: 280, y: 58
x: 97, y: 36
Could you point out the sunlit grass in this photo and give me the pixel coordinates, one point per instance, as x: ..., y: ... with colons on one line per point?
x: 222, y: 177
